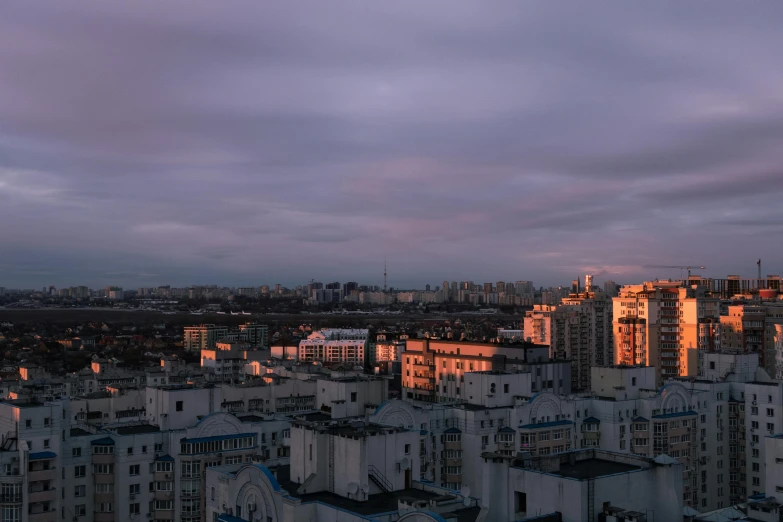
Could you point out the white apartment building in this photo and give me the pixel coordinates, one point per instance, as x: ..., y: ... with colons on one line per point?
x: 712, y: 426
x: 577, y: 485
x: 335, y: 346
x: 84, y: 459
x: 350, y: 472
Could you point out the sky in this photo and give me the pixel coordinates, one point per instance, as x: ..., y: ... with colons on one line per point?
x: 246, y: 143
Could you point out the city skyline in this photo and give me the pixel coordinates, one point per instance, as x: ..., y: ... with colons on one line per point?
x: 144, y: 144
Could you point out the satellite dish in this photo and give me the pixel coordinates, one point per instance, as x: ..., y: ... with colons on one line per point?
x: 405, y: 463
x: 465, y: 491
x: 365, y: 488
x: 353, y: 487
x: 466, y: 502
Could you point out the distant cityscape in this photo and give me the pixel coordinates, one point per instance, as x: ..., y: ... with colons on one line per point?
x: 481, y: 400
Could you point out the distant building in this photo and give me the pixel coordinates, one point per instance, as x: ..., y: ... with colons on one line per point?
x: 335, y: 346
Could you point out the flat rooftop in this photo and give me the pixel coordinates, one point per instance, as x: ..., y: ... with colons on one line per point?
x: 354, y: 428
x: 375, y: 504
x: 136, y: 430
x: 594, y: 468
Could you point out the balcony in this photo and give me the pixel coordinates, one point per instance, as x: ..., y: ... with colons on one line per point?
x: 164, y: 495
x: 107, y: 478
x: 163, y: 476
x: 453, y: 478
x: 103, y: 517
x: 103, y: 497
x: 423, y: 379
x: 44, y: 516
x: 42, y: 475
x: 103, y: 458
x: 161, y: 514
x: 45, y: 495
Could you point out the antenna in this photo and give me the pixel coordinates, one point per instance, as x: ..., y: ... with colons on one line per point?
x: 758, y: 263
x: 384, y: 275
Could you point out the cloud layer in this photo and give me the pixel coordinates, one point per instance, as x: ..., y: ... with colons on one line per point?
x: 192, y: 141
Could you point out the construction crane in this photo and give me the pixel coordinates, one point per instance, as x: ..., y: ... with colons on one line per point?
x: 681, y: 267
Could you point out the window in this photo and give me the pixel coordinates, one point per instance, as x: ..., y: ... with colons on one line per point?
x: 134, y: 469
x: 134, y: 489
x: 79, y: 491
x: 144, y: 449
x: 76, y: 452
x: 212, y: 492
x: 46, y: 420
x: 134, y: 509
x: 164, y: 505
x: 158, y: 447
x: 179, y: 405
x: 770, y: 412
x: 102, y: 450
x: 104, y: 507
x: 79, y: 471
x: 164, y: 467
x: 353, y: 396
x: 104, y: 488
x: 28, y: 423
x: 80, y: 510
x: 103, y: 469
x: 130, y: 450
x: 407, y: 449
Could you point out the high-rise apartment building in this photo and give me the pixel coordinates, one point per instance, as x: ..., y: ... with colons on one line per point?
x: 663, y: 324
x: 578, y: 330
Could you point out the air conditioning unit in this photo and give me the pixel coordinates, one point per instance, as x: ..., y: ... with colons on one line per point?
x: 754, y: 403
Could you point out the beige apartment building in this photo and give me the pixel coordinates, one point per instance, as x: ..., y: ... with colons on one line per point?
x: 663, y: 324
x: 434, y: 370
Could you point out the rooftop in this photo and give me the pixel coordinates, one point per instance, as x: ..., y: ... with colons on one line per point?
x: 594, y: 468
x: 357, y: 428
x: 136, y: 429
x: 382, y: 503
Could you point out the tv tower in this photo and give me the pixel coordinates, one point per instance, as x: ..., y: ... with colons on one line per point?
x: 384, y: 275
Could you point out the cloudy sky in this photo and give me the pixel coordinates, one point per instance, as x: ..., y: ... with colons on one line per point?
x: 241, y: 143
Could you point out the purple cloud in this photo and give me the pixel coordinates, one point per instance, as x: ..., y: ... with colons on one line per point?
x: 243, y: 143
